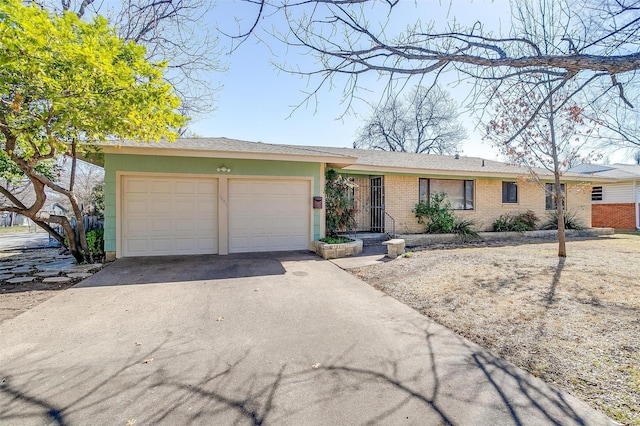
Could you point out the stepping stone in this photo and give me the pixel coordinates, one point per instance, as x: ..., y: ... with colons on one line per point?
x: 22, y: 270
x: 56, y: 280
x: 46, y: 274
x: 81, y: 275
x: 21, y: 280
x: 6, y: 276
x: 87, y: 268
x: 56, y: 268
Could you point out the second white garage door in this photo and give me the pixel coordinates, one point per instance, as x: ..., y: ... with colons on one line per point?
x: 269, y: 215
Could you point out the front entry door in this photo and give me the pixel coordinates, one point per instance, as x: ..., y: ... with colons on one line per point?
x: 377, y: 204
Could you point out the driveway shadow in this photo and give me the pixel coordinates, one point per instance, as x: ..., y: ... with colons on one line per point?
x: 169, y: 269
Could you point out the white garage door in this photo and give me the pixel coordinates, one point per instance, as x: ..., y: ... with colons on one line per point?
x: 163, y: 216
x: 269, y: 215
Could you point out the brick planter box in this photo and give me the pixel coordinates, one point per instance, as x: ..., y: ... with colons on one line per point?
x: 335, y: 251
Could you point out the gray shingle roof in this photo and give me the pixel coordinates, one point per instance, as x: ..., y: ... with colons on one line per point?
x: 222, y: 144
x: 613, y: 171
x: 430, y: 163
x: 353, y: 159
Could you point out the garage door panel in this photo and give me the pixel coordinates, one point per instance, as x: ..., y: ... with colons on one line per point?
x: 186, y: 226
x: 160, y: 187
x: 160, y: 245
x: 183, y: 245
x: 206, y: 226
x: 185, y: 188
x: 206, y: 206
x: 136, y: 227
x: 136, y: 186
x: 159, y: 226
x: 269, y: 215
x: 137, y: 247
x: 186, y: 205
x: 206, y: 188
x: 158, y: 207
x: 169, y: 216
x: 135, y: 207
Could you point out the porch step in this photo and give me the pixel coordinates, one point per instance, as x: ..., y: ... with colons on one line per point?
x: 370, y: 238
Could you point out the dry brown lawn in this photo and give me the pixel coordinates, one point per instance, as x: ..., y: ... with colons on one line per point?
x: 574, y: 323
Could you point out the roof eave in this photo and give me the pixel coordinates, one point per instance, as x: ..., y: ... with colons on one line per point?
x: 245, y: 155
x: 463, y: 173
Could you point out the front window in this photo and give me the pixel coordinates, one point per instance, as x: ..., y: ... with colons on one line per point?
x: 550, y: 196
x: 510, y: 192
x: 459, y: 192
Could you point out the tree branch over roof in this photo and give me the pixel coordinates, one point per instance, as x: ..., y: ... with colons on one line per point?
x: 597, y: 41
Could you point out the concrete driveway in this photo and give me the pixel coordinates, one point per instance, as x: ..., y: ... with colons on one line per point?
x: 22, y: 240
x: 249, y: 339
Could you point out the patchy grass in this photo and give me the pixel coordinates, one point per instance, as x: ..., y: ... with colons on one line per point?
x: 12, y: 229
x: 574, y: 322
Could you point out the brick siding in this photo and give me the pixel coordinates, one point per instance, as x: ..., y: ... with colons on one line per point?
x: 401, y: 196
x: 619, y: 216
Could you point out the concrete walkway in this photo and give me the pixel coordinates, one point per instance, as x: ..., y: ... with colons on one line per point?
x: 254, y: 340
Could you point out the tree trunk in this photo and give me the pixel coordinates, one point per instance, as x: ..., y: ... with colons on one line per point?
x: 562, y: 247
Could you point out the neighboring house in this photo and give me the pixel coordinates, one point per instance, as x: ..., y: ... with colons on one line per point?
x: 616, y: 203
x: 8, y: 219
x: 56, y: 209
x: 217, y: 195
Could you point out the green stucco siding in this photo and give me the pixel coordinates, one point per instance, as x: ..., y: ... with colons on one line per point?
x: 192, y: 165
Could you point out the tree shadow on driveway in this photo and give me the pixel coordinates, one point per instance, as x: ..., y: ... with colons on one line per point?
x: 421, y: 384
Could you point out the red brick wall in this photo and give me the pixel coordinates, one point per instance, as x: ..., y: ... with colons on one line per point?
x: 619, y: 216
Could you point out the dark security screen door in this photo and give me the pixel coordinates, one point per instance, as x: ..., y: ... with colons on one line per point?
x: 377, y: 205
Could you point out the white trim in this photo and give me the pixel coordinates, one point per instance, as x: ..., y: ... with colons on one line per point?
x: 223, y: 215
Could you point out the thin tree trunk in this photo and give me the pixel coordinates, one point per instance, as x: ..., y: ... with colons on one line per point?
x: 562, y: 247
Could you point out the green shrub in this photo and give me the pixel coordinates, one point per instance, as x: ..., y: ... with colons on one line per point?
x: 340, y: 213
x: 95, y: 241
x: 438, y: 218
x: 436, y: 215
x: 571, y: 221
x: 520, y: 222
x: 465, y: 229
x: 336, y: 240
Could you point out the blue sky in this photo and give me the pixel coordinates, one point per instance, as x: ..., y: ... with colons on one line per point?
x: 256, y: 101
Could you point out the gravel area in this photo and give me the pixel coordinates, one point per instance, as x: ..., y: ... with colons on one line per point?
x: 575, y: 322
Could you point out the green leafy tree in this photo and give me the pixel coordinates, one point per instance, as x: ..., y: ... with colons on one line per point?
x: 64, y: 85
